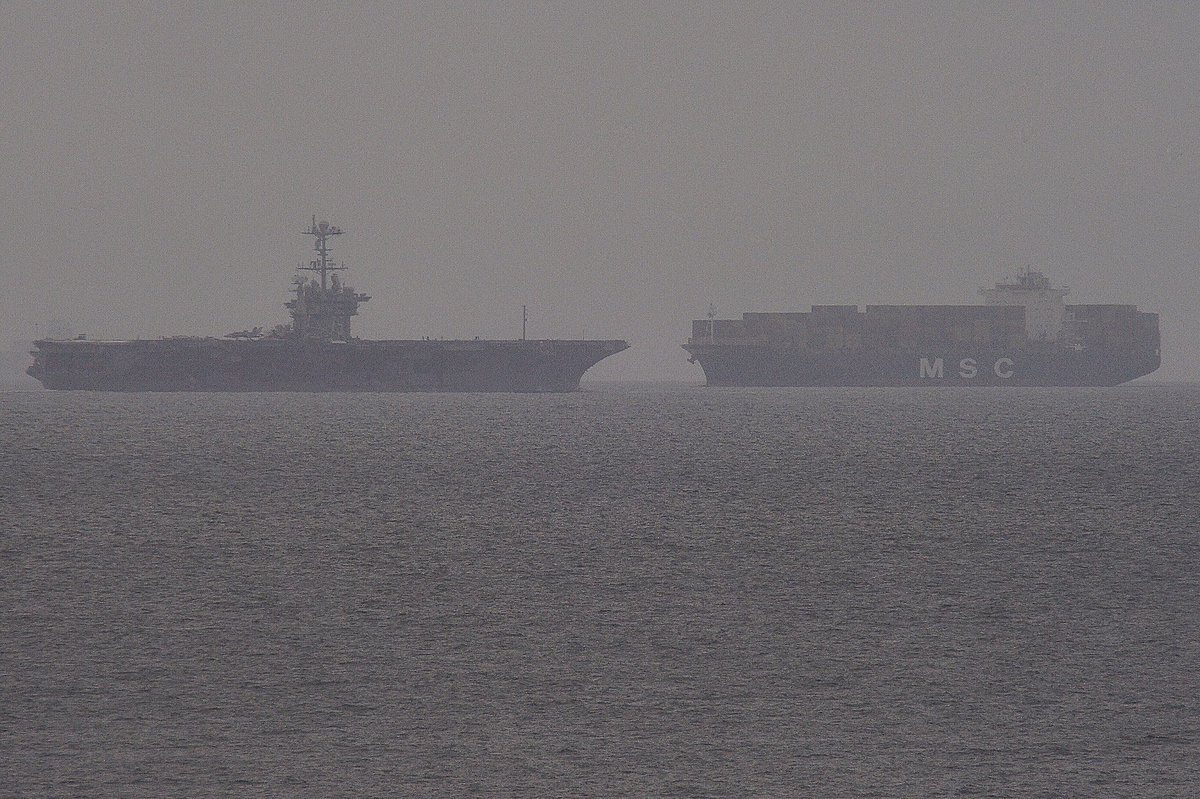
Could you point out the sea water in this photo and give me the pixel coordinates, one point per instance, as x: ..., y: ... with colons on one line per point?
x: 633, y: 590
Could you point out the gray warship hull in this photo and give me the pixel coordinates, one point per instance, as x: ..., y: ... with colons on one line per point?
x: 210, y: 364
x: 316, y: 351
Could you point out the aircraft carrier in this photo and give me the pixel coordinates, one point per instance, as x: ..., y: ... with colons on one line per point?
x: 316, y: 352
x: 1023, y: 335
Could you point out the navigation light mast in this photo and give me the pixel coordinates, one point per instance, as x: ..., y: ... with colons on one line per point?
x: 322, y: 230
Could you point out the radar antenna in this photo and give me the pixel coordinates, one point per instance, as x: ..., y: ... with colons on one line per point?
x: 322, y: 230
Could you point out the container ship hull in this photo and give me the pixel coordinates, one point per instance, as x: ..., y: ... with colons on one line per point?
x: 1023, y: 335
x: 751, y: 365
x: 209, y: 364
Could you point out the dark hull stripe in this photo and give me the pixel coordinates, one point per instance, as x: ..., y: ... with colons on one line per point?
x: 742, y: 365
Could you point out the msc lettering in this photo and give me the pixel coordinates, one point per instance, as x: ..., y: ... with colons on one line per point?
x: 968, y: 368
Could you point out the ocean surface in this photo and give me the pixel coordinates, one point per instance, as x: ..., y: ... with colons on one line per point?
x: 631, y: 591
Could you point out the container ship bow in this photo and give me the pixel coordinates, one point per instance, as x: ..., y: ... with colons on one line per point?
x: 317, y: 352
x: 1023, y: 335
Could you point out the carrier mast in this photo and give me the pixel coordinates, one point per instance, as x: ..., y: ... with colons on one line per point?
x: 322, y: 230
x: 322, y: 311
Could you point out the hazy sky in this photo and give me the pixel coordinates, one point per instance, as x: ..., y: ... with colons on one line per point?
x: 616, y: 167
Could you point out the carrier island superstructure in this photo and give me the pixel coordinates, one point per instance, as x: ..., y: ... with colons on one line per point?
x: 317, y: 351
x: 1025, y: 334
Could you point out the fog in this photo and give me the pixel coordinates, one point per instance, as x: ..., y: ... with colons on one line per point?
x: 614, y: 167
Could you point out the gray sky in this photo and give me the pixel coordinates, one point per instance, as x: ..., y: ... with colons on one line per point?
x: 617, y: 167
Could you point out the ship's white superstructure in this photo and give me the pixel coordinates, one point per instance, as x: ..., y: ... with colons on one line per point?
x: 1045, y: 308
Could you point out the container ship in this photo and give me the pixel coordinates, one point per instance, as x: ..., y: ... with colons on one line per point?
x: 1024, y: 334
x: 316, y: 351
